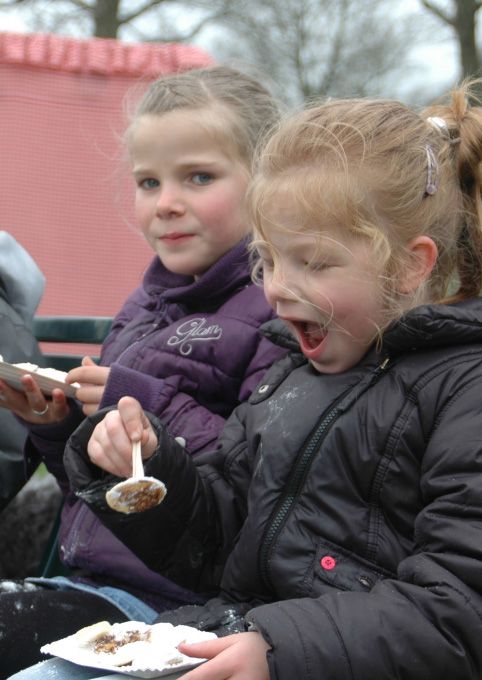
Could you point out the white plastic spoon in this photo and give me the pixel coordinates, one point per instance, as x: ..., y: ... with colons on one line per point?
x: 137, y: 493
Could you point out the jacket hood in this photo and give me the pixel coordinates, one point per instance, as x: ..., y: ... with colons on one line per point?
x: 230, y: 272
x: 422, y: 327
x: 21, y: 280
x: 436, y: 326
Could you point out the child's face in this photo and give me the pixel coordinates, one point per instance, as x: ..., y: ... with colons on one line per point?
x: 190, y: 191
x: 327, y: 291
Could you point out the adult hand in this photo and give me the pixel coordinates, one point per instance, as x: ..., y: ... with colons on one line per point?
x: 110, y: 445
x: 235, y: 657
x: 31, y: 404
x: 92, y: 379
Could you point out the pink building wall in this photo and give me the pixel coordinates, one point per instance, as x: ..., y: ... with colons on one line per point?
x: 66, y: 195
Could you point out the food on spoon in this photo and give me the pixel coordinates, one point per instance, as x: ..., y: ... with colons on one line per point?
x: 136, y: 495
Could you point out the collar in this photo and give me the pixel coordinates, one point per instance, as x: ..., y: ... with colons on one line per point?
x: 230, y: 272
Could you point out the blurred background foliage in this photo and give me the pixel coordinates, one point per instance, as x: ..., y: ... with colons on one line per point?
x: 411, y: 49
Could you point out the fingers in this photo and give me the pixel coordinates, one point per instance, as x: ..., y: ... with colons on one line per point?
x: 110, y: 446
x: 207, y: 649
x: 31, y: 404
x: 90, y: 396
x: 134, y: 418
x: 90, y: 409
x: 45, y: 410
x: 221, y: 664
x: 36, y: 400
x: 88, y: 374
x: 236, y: 657
x: 58, y: 406
x: 137, y: 425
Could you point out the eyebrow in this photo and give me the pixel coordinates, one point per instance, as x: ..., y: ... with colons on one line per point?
x: 185, y: 165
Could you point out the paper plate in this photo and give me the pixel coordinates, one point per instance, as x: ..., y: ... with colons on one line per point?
x: 12, y: 374
x: 135, y: 648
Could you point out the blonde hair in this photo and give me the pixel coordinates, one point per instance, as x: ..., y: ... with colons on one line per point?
x: 247, y: 109
x: 389, y: 174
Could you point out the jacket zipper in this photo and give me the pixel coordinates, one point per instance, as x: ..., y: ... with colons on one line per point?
x: 301, y: 467
x: 127, y: 351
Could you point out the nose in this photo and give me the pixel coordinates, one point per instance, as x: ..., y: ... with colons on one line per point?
x: 278, y: 287
x: 169, y: 203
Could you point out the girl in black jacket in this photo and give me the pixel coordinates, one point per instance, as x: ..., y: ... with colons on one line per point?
x: 341, y: 515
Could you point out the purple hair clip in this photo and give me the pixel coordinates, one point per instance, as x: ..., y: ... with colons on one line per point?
x: 432, y: 172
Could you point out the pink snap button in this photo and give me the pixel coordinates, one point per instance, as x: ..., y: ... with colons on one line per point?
x: 328, y: 562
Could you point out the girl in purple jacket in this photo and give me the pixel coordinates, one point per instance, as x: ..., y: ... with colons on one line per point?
x: 186, y: 343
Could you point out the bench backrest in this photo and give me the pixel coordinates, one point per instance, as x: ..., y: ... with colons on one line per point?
x: 66, y: 339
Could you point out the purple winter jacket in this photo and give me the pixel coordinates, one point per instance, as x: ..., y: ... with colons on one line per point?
x: 190, y: 352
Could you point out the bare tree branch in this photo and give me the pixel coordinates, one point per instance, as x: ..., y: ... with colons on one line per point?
x: 12, y: 3
x: 128, y: 18
x: 438, y: 12
x: 336, y: 48
x: 84, y: 6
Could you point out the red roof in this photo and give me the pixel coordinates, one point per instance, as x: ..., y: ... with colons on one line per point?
x: 66, y: 193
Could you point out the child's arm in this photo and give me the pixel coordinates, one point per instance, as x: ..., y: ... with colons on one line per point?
x: 193, y: 530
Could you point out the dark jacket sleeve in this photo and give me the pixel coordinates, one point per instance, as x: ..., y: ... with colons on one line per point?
x: 17, y: 343
x: 188, y: 537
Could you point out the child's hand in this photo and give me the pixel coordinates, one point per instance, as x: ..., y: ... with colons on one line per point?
x: 235, y: 657
x: 31, y: 404
x: 110, y: 446
x: 92, y: 379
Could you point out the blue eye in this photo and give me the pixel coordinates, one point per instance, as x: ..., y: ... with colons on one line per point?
x: 202, y: 178
x: 149, y: 183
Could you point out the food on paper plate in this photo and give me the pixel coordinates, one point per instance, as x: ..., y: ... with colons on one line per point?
x: 52, y: 373
x: 47, y: 378
x: 129, y: 646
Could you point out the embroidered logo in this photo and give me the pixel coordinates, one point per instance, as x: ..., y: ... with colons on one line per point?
x: 194, y: 330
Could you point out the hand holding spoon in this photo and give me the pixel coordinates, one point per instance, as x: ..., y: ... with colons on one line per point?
x: 137, y: 493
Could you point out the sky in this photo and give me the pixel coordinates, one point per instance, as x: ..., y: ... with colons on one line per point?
x: 435, y: 64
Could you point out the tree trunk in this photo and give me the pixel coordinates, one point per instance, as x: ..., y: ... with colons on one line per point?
x: 464, y: 24
x: 106, y: 18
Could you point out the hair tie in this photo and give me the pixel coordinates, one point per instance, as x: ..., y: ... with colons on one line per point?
x: 439, y: 123
x: 432, y: 172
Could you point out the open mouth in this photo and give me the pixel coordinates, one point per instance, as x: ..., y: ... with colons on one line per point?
x: 310, y: 336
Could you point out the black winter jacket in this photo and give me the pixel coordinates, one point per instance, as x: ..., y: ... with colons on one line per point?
x: 347, y: 509
x: 21, y: 288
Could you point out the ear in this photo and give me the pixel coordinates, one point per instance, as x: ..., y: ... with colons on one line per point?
x: 422, y: 256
